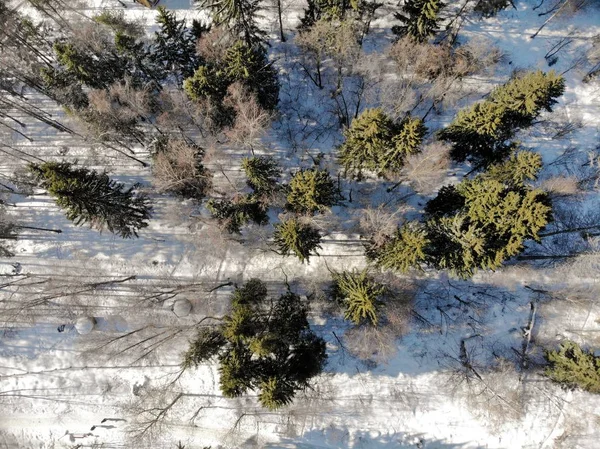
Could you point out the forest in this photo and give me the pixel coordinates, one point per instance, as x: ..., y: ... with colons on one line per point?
x: 299, y: 224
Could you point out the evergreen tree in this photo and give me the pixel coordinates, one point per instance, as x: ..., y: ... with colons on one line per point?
x: 477, y: 224
x: 405, y: 250
x: 360, y: 295
x: 574, y: 367
x: 263, y: 345
x: 94, y: 70
x: 241, y: 63
x: 481, y: 133
x: 375, y: 143
x: 294, y: 237
x: 174, y: 47
x: 250, y: 66
x: 419, y: 19
x: 312, y: 190
x: 370, y: 135
x: 263, y: 174
x: 243, y: 209
x: 240, y: 16
x: 91, y: 197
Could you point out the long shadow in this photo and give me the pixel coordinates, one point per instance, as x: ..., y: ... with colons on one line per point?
x: 344, y: 439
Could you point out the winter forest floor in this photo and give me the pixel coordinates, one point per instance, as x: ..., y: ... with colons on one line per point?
x: 120, y: 386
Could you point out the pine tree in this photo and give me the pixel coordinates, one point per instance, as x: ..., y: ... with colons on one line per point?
x: 264, y: 345
x: 263, y: 174
x: 91, y: 197
x: 574, y: 367
x: 481, y: 133
x: 419, y: 19
x: 294, y: 237
x: 359, y: 294
x: 174, y: 47
x: 375, y: 143
x: 312, y: 190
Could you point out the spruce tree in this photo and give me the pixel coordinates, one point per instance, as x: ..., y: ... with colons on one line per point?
x: 481, y: 133
x: 264, y: 345
x: 375, y: 143
x: 250, y: 65
x: 477, y: 224
x: 405, y: 250
x: 263, y: 174
x: 174, y: 47
x: 243, y: 209
x: 311, y: 191
x: 239, y: 16
x: 360, y: 295
x: 91, y: 197
x: 294, y: 237
x: 419, y: 19
x: 369, y: 136
x: 574, y: 367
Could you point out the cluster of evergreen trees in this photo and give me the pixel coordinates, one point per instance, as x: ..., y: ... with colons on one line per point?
x: 477, y: 224
x: 482, y: 133
x: 265, y: 345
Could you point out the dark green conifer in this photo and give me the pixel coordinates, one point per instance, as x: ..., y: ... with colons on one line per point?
x: 263, y: 174
x: 419, y: 19
x: 174, y: 47
x: 360, y: 295
x: 91, y: 197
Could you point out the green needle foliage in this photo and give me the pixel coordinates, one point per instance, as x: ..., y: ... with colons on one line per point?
x: 233, y: 214
x: 481, y: 132
x: 87, y: 196
x: 360, y: 295
x: 375, y: 143
x: 574, y: 367
x: 239, y: 16
x: 174, y: 49
x: 404, y: 251
x: 477, y: 224
x: 419, y: 19
x: 294, y: 237
x: 264, y: 345
x: 311, y: 191
x: 263, y: 174
x: 241, y: 63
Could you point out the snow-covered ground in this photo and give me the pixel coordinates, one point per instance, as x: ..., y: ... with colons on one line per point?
x: 104, y: 389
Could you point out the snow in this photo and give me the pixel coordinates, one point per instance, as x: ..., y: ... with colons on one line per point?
x: 131, y: 305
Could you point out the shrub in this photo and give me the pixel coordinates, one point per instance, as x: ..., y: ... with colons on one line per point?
x: 178, y: 169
